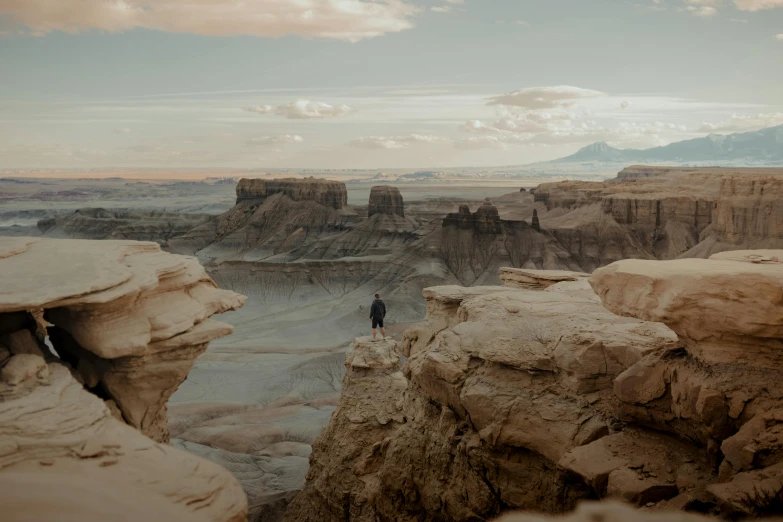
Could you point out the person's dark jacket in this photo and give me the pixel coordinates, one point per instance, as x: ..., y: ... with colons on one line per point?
x: 378, y: 309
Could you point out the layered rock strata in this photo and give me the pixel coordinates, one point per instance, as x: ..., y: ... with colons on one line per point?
x: 721, y: 392
x: 486, y: 219
x: 521, y: 399
x: 499, y: 385
x: 386, y: 200
x: 331, y: 194
x: 128, y: 318
x: 64, y: 456
x: 537, y: 279
x: 668, y: 212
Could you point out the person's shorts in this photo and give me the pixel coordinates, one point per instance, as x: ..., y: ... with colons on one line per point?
x: 377, y: 322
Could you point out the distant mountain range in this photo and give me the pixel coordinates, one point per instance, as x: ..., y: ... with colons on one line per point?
x: 763, y: 146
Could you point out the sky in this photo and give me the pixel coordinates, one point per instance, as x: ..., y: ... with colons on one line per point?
x: 362, y: 84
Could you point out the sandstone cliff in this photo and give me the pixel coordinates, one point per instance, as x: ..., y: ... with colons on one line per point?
x: 328, y: 193
x: 499, y: 385
x: 127, y: 317
x: 666, y: 212
x: 94, y: 338
x: 385, y: 200
x: 521, y: 399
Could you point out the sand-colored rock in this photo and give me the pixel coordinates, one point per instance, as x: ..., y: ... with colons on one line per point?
x: 726, y: 310
x: 499, y: 385
x: 537, y: 279
x: 372, y: 354
x: 126, y: 316
x: 665, y: 213
x: 53, y: 432
x: 385, y: 199
x: 722, y: 389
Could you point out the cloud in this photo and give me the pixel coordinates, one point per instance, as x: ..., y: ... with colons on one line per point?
x: 303, y: 110
x: 523, y: 122
x: 122, y: 130
x: 350, y: 20
x: 625, y: 104
x: 393, y: 142
x: 757, y: 5
x: 544, y: 97
x: 743, y: 123
x: 705, y: 11
x: 780, y: 36
x: 490, y: 142
x: 286, y: 139
x: 440, y: 8
x: 261, y: 109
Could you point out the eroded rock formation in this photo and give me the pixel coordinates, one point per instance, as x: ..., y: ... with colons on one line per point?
x: 127, y: 317
x: 666, y: 212
x: 521, y: 399
x: 486, y: 219
x: 500, y: 384
x: 331, y: 194
x: 387, y: 200
x: 64, y: 456
x: 99, y: 223
x: 126, y: 322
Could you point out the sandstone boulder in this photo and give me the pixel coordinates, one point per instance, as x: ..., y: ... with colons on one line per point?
x: 537, y: 279
x: 725, y: 309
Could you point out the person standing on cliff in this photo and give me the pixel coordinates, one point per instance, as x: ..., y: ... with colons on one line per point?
x: 377, y: 313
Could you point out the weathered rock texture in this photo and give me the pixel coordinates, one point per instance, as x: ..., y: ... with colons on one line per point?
x: 99, y: 223
x: 63, y: 456
x: 537, y: 279
x: 128, y: 318
x: 331, y: 194
x: 522, y: 399
x: 500, y: 384
x: 387, y: 200
x: 665, y: 213
x: 486, y: 219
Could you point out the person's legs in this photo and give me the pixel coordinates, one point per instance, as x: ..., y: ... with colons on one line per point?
x: 374, y: 326
x: 373, y: 334
x: 383, y: 332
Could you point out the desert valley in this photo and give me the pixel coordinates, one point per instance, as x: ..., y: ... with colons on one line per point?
x: 506, y: 371
x: 391, y: 260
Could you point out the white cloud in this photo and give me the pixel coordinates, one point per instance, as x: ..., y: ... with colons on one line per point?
x: 440, y: 8
x: 544, y: 97
x: 743, y: 122
x: 625, y: 104
x: 757, y: 5
x: 705, y: 11
x: 780, y: 36
x: 393, y: 142
x: 286, y: 139
x: 350, y: 20
x: 261, y: 109
x: 303, y: 110
x: 122, y: 130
